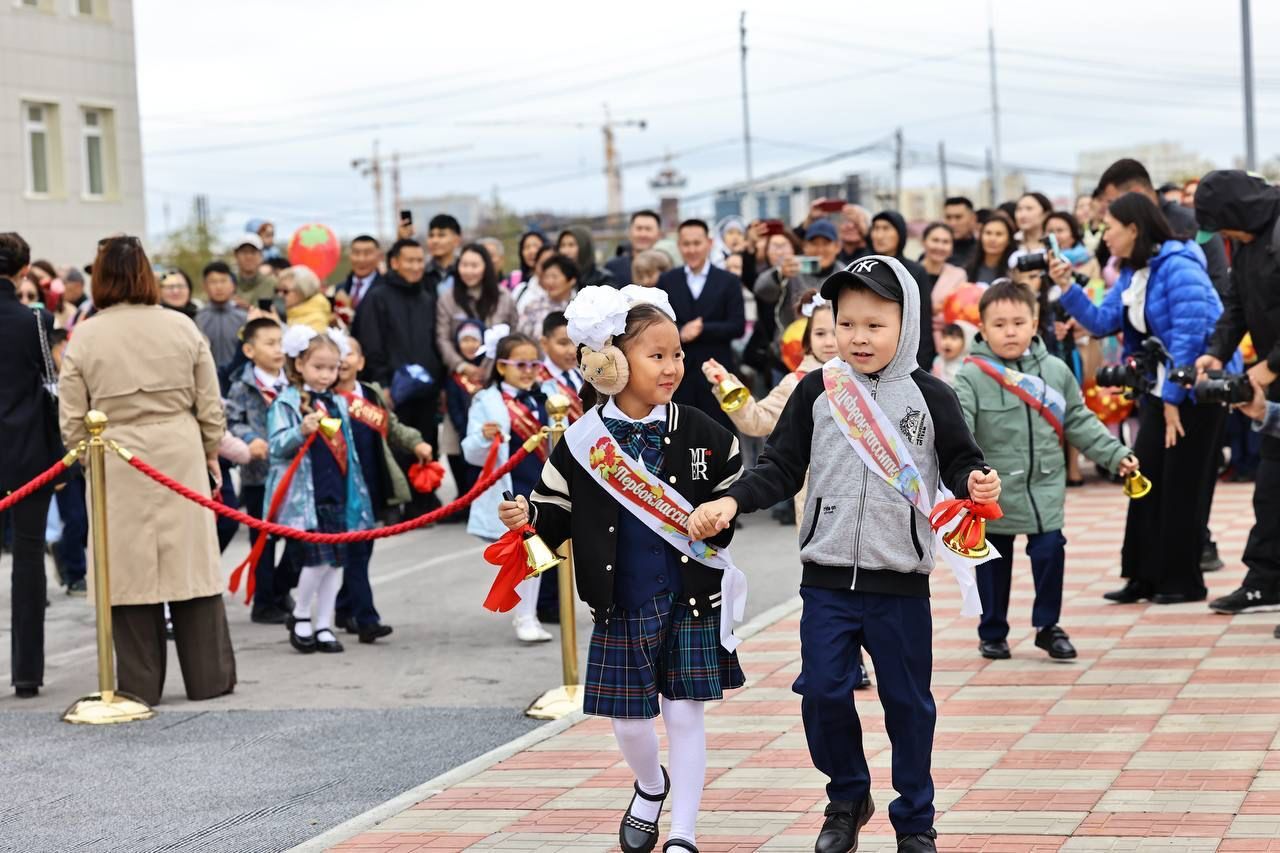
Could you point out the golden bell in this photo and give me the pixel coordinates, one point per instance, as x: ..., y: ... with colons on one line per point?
x: 1136, y: 486
x: 539, y: 556
x: 330, y: 426
x: 970, y: 529
x: 731, y: 393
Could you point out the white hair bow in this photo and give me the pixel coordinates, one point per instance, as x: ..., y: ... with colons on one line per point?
x: 637, y: 295
x: 339, y: 339
x: 813, y: 305
x: 492, y: 338
x: 296, y: 340
x: 596, y: 314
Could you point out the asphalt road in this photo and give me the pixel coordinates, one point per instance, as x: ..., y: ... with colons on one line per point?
x: 305, y: 742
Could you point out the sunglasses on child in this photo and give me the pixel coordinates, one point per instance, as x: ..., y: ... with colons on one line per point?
x: 519, y: 365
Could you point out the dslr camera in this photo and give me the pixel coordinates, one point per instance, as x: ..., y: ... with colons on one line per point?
x: 1217, y: 388
x: 1138, y: 372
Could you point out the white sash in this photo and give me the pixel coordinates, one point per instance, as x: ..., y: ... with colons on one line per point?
x: 875, y: 439
x: 658, y: 507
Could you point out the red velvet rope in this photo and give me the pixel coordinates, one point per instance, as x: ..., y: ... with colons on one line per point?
x: 272, y: 529
x: 34, y: 486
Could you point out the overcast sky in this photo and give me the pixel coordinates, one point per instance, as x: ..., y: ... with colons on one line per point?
x: 262, y: 106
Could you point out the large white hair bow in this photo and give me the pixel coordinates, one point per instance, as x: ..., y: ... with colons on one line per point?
x: 813, y: 305
x: 339, y: 339
x: 637, y: 295
x: 596, y: 314
x: 296, y: 340
x: 492, y: 337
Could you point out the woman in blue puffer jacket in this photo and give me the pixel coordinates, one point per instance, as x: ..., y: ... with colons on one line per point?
x: 1164, y: 292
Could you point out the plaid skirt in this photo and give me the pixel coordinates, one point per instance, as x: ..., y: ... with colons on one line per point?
x: 332, y: 519
x: 660, y: 648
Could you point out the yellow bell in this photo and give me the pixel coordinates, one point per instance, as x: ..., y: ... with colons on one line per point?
x: 330, y: 426
x: 969, y: 539
x: 731, y: 393
x: 540, y: 557
x: 1136, y: 486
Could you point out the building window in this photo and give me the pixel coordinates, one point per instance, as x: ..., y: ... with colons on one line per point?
x: 38, y: 148
x: 97, y: 152
x: 89, y: 8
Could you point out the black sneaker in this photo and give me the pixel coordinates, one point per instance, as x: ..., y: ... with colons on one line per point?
x: 78, y: 588
x: 864, y: 677
x: 921, y: 842
x: 1209, y: 559
x: 1244, y: 598
x: 1055, y: 641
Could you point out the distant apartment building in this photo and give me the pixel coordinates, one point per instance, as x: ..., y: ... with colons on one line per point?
x: 70, y: 147
x: 1166, y: 161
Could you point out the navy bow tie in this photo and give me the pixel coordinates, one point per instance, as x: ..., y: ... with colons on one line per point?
x: 636, y: 438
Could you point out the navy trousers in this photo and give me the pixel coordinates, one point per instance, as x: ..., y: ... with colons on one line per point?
x: 227, y: 528
x: 897, y: 631
x: 75, y: 529
x: 355, y: 599
x: 1048, y: 560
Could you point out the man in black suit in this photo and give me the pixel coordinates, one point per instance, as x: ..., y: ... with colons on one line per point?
x: 709, y: 311
x: 645, y: 230
x: 364, y: 254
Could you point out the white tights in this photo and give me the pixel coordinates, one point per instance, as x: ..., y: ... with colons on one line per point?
x: 317, y: 596
x: 528, y: 604
x: 687, y: 762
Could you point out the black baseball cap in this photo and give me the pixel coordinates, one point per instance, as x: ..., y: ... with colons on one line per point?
x: 873, y: 271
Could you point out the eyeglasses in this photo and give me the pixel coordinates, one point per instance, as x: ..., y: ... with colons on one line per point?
x: 519, y: 365
x: 27, y: 298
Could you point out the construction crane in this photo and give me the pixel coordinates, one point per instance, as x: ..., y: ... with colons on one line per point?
x: 612, y: 166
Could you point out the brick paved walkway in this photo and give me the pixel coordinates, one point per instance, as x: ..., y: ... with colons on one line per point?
x: 1161, y: 736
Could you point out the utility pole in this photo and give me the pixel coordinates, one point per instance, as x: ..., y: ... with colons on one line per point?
x: 746, y: 119
x: 897, y: 169
x: 942, y: 167
x: 997, y: 164
x: 373, y: 167
x: 395, y: 184
x: 1250, y: 142
x: 991, y: 183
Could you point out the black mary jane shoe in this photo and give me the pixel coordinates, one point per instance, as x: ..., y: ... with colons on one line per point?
x: 994, y: 649
x: 331, y: 647
x: 306, y: 645
x: 845, y: 820
x: 679, y: 844
x: 640, y: 836
x: 1055, y: 641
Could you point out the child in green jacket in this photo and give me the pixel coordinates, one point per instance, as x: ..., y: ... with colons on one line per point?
x: 1022, y: 404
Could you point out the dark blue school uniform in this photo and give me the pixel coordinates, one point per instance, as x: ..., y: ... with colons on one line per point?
x: 525, y: 475
x: 329, y: 485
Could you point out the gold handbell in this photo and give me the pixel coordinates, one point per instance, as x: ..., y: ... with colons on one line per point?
x: 1136, y: 486
x: 731, y: 393
x: 539, y: 557
x: 330, y: 426
x: 971, y: 528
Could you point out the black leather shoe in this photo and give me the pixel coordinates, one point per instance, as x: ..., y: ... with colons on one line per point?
x: 306, y: 645
x: 369, y: 633
x: 1209, y: 559
x: 844, y: 821
x: 348, y: 624
x: 1276, y: 632
x: 1177, y: 597
x: 550, y: 616
x: 864, y: 678
x: 270, y: 615
x: 1131, y: 593
x: 1054, y: 640
x: 679, y: 844
x: 26, y: 691
x: 921, y: 842
x: 640, y: 836
x: 329, y: 646
x: 994, y: 649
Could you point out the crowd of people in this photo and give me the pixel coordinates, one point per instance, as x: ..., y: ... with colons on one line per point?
x: 331, y: 402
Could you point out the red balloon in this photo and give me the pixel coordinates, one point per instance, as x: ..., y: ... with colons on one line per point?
x: 1111, y: 408
x: 317, y: 247
x: 962, y: 306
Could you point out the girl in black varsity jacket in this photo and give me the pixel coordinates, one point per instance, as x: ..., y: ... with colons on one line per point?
x: 620, y: 485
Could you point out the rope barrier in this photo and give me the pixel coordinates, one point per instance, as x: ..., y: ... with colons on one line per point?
x: 39, y: 482
x: 273, y: 529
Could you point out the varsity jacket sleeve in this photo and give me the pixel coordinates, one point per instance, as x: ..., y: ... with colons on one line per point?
x: 953, y: 441
x: 550, y: 505
x: 1085, y: 432
x: 782, y: 467
x: 728, y: 473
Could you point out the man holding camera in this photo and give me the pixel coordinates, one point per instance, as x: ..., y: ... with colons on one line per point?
x: 1246, y: 210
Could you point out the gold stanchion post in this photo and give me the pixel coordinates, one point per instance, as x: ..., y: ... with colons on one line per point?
x: 567, y: 698
x: 107, y: 705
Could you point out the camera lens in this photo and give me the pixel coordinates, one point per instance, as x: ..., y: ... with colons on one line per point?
x: 1033, y: 261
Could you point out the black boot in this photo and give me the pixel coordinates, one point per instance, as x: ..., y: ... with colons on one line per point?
x: 844, y: 820
x: 1131, y: 593
x: 640, y: 836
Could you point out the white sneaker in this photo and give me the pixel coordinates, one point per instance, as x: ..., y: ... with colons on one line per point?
x: 530, y: 630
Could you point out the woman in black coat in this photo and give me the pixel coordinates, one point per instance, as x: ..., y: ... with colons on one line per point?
x: 29, y: 425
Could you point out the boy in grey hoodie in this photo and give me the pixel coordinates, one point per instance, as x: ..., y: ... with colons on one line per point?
x: 877, y: 436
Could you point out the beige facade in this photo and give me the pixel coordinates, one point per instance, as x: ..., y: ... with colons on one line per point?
x: 70, y: 147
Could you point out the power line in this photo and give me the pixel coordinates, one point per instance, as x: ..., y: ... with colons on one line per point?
x: 878, y: 145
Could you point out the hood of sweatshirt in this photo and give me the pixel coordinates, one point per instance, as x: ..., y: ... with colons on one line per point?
x: 1231, y: 198
x: 899, y: 224
x: 904, y: 357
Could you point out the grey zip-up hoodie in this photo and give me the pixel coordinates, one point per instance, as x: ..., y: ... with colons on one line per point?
x: 858, y: 532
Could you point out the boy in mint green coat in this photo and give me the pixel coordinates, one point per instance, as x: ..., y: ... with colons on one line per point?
x: 1022, y: 405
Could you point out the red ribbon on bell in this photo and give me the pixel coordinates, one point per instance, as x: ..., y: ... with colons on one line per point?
x: 509, y: 556
x: 969, y: 539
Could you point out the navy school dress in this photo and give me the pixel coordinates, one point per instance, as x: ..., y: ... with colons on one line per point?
x: 652, y: 645
x: 330, y: 487
x: 525, y: 475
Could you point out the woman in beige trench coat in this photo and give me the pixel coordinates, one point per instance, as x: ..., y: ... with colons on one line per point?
x: 150, y: 371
